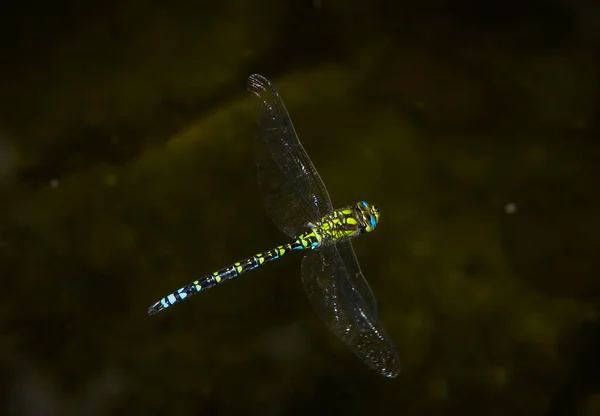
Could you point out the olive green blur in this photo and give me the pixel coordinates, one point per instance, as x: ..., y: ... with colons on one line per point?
x: 126, y: 170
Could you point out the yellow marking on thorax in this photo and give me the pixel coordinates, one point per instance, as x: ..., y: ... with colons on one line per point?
x: 336, y: 227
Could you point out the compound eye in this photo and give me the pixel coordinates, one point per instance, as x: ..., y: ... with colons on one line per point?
x: 373, y: 221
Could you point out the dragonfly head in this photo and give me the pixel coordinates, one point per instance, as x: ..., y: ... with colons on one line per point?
x: 367, y: 216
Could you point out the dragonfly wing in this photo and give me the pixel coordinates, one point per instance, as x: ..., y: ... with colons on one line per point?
x: 340, y: 305
x: 357, y: 279
x: 293, y: 192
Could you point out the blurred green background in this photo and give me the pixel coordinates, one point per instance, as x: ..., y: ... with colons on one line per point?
x: 126, y: 171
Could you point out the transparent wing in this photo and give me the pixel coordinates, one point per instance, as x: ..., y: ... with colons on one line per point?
x: 293, y: 192
x: 356, y: 278
x: 337, y: 301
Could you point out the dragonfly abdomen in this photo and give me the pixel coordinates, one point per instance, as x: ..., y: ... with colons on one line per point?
x: 227, y: 273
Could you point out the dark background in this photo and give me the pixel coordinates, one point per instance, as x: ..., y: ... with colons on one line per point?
x: 126, y: 172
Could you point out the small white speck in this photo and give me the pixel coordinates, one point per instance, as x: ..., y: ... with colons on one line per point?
x: 510, y: 208
x: 54, y: 183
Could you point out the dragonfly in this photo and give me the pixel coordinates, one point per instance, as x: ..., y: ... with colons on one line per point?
x: 297, y: 201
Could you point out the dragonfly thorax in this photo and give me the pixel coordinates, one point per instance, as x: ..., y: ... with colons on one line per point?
x: 344, y: 224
